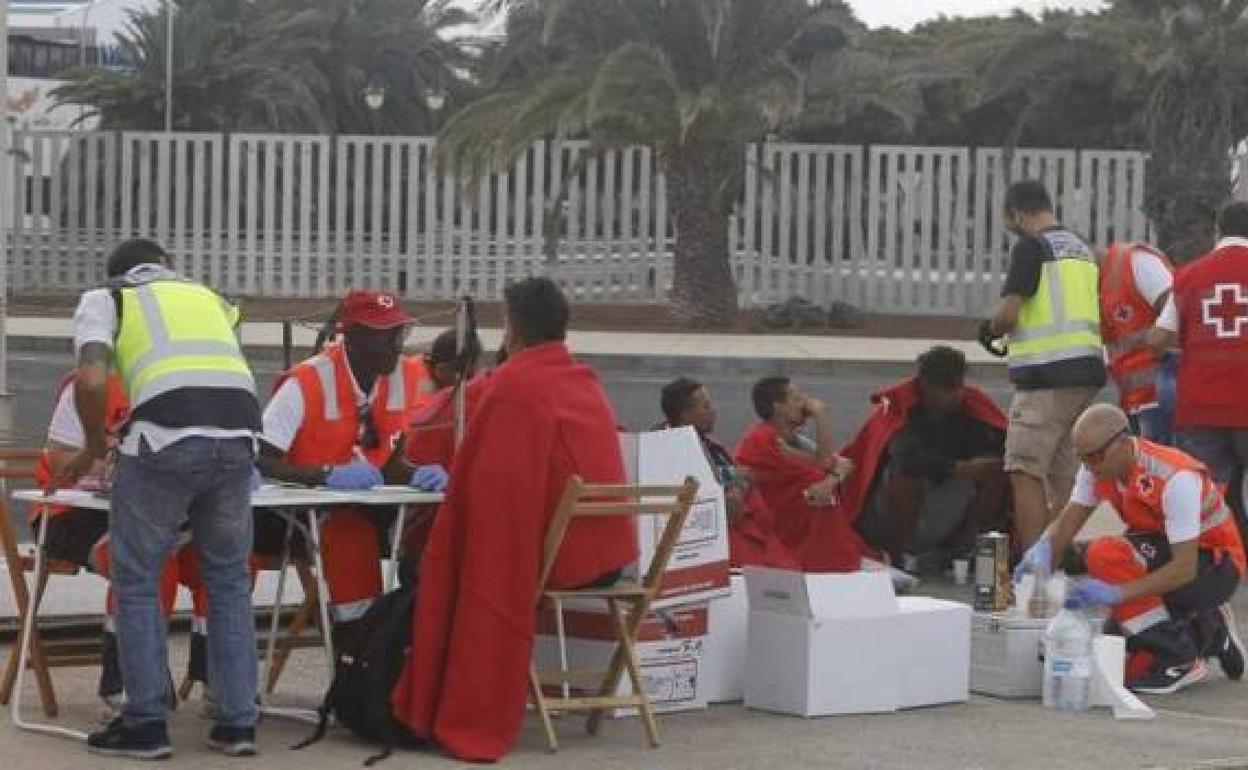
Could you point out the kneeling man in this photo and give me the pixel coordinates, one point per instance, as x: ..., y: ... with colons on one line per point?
x: 1169, y: 579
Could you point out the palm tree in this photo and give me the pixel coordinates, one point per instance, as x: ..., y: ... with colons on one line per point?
x: 1192, y: 57
x: 1171, y: 73
x: 408, y: 48
x: 284, y: 65
x: 696, y: 80
x: 227, y: 74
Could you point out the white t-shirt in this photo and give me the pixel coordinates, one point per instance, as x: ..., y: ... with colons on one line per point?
x: 95, y: 320
x: 65, y: 427
x: 1152, y: 277
x: 1169, y: 318
x: 1180, y: 502
x: 283, y: 416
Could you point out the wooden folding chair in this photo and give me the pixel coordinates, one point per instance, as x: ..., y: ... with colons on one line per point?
x: 19, y: 464
x: 628, y: 601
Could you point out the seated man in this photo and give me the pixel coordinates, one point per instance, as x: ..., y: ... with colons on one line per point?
x: 752, y: 535
x: 798, y: 478
x: 543, y: 419
x: 1170, y: 578
x: 80, y: 535
x: 430, y: 440
x: 930, y: 457
x: 334, y: 421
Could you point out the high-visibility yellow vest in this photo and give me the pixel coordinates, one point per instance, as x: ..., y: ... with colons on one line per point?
x: 177, y: 334
x: 1062, y: 320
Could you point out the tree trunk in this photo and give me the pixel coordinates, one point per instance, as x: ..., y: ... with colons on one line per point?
x: 704, y: 293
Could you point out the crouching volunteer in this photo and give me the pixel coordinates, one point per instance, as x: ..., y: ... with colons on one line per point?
x: 1169, y: 579
x: 334, y: 421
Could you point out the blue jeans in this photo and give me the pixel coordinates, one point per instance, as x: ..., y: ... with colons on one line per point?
x: 1157, y: 423
x: 206, y: 481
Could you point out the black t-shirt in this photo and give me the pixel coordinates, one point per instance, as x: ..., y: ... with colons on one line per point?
x: 928, y: 447
x: 1027, y: 260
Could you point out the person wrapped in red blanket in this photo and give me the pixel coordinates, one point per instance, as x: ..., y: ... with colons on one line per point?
x: 799, y: 479
x: 924, y: 433
x: 429, y: 441
x: 752, y: 537
x: 543, y: 419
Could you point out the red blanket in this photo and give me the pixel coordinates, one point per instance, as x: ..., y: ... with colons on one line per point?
x: 543, y: 419
x: 782, y: 480
x: 824, y: 550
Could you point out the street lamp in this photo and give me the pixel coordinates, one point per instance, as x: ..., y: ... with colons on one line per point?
x: 434, y: 98
x: 375, y: 95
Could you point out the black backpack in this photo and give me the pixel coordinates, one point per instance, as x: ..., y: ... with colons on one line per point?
x: 367, y: 665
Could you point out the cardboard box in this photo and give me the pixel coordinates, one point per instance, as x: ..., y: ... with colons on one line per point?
x: 698, y: 569
x: 933, y: 664
x: 817, y: 644
x: 722, y: 673
x: 669, y: 649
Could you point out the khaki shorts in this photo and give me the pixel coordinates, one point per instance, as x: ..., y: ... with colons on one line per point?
x: 1037, y: 441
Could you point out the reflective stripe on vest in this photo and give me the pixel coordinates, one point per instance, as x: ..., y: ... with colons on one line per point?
x: 396, y: 398
x: 1062, y: 320
x: 158, y: 353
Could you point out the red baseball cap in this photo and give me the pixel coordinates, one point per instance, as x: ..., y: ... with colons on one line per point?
x: 373, y: 309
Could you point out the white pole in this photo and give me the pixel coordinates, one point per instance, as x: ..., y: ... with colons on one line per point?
x: 168, y: 66
x: 6, y: 216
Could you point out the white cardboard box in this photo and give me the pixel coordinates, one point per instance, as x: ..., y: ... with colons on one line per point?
x: 669, y: 649
x: 817, y: 642
x: 722, y: 671
x: 933, y: 665
x: 698, y: 569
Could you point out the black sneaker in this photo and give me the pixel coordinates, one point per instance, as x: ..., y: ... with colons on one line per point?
x: 1228, y: 646
x: 149, y: 740
x: 1163, y: 679
x: 233, y: 741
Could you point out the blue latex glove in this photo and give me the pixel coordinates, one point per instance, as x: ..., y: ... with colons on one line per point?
x: 256, y: 481
x: 357, y: 474
x: 1041, y: 553
x: 1088, y: 591
x: 429, y: 478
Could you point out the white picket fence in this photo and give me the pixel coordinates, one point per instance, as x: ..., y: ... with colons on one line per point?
x: 892, y: 229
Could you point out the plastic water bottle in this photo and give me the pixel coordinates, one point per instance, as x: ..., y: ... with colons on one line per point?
x: 1068, y: 661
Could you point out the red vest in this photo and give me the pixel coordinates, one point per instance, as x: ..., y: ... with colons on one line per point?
x: 331, y: 427
x: 1126, y: 318
x: 1139, y: 501
x: 1212, y: 299
x: 116, y: 412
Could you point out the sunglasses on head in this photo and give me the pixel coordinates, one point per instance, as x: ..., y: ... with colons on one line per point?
x: 1096, y: 456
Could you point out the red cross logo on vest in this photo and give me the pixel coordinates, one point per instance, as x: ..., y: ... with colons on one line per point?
x: 385, y: 300
x: 1123, y: 313
x: 1226, y: 310
x: 1145, y: 485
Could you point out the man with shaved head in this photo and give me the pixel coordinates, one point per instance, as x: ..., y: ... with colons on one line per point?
x: 1169, y: 579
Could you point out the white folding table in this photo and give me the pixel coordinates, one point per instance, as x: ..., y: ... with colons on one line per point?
x: 284, y: 500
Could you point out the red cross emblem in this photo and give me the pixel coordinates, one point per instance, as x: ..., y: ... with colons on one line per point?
x: 385, y: 300
x: 1123, y: 313
x: 1225, y: 310
x: 1145, y: 483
